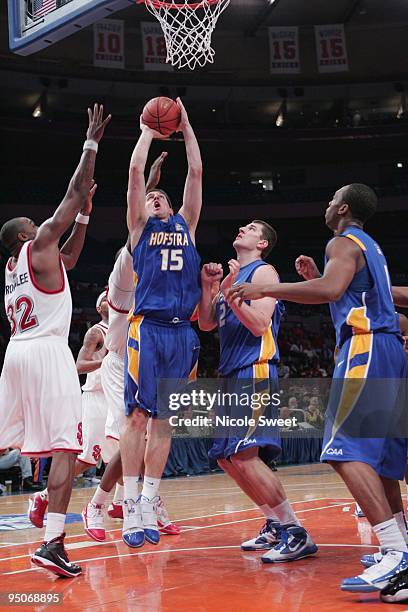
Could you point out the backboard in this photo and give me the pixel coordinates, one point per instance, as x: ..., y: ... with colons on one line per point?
x: 37, y: 24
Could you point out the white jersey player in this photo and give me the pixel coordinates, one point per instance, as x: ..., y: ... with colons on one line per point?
x: 40, y: 402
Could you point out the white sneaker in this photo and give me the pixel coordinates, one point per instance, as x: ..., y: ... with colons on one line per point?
x: 379, y: 575
x: 93, y: 517
x: 132, y: 530
x: 149, y: 518
x: 267, y: 538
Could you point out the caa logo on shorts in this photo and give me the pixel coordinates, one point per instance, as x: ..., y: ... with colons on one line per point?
x: 334, y: 451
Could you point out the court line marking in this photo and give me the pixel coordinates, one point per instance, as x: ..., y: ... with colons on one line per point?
x: 191, y: 518
x: 88, y: 544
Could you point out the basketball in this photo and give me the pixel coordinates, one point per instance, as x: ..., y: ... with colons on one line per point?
x: 162, y: 115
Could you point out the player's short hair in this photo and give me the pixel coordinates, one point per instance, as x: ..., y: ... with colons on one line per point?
x: 269, y: 234
x: 362, y: 201
x: 9, y: 231
x: 165, y: 195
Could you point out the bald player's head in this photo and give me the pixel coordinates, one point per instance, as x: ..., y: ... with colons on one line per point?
x: 15, y: 232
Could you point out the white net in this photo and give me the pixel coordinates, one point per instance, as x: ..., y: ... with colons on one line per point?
x: 187, y: 29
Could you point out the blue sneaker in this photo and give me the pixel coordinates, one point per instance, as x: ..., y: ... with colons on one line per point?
x: 295, y: 543
x: 369, y: 560
x: 268, y: 537
x: 149, y: 518
x: 379, y: 575
x: 132, y: 531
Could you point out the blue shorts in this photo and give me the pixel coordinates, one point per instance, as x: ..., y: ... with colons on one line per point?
x: 264, y: 378
x: 157, y: 351
x: 366, y: 399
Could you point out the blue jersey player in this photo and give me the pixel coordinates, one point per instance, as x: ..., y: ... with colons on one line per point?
x: 356, y: 284
x: 161, y: 342
x: 248, y: 357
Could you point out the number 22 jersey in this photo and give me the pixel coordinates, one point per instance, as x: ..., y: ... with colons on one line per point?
x: 34, y: 312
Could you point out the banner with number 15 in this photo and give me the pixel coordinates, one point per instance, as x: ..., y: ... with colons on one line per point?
x: 331, y: 48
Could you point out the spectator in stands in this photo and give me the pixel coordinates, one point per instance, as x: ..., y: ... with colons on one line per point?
x: 10, y: 458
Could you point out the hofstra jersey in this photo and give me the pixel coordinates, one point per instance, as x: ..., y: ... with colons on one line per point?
x: 238, y: 346
x: 366, y: 306
x: 167, y: 271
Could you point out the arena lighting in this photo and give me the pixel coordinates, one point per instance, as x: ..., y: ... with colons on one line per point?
x: 40, y: 106
x: 400, y: 165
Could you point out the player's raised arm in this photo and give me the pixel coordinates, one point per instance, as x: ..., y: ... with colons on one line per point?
x: 76, y: 196
x: 400, y: 296
x: 257, y: 316
x: 155, y: 172
x: 192, y: 197
x: 72, y: 248
x: 342, y: 262
x: 211, y: 274
x: 93, y: 341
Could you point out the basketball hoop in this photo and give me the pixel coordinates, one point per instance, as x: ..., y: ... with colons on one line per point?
x: 187, y: 28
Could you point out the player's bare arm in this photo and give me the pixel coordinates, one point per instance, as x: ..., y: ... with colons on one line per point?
x: 136, y: 196
x: 192, y: 197
x: 257, y: 316
x: 45, y: 251
x: 344, y: 259
x: 155, y: 172
x: 72, y: 248
x: 93, y: 342
x: 400, y: 296
x: 211, y: 274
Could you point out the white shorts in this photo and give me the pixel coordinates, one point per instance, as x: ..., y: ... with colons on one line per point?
x: 40, y: 398
x: 95, y: 445
x: 113, y: 383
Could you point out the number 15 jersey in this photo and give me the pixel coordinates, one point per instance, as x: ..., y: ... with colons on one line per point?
x: 34, y: 312
x: 167, y: 269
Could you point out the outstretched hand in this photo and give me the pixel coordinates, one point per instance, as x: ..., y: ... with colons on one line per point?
x: 245, y: 291
x: 154, y: 133
x: 87, y: 209
x: 97, y: 124
x: 155, y: 171
x: 184, y: 121
x: 306, y: 267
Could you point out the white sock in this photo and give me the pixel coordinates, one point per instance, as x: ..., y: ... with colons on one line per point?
x: 119, y: 492
x: 390, y: 536
x: 285, y: 514
x: 402, y: 524
x: 150, y: 487
x: 131, y: 487
x: 55, y: 526
x: 268, y: 512
x: 100, y: 497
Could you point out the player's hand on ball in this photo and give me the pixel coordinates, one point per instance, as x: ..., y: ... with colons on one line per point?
x: 184, y: 122
x: 229, y: 280
x: 87, y: 209
x: 97, y: 123
x: 211, y: 273
x: 245, y: 291
x: 306, y: 267
x: 153, y: 133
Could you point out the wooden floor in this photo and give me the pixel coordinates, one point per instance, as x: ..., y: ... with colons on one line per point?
x: 203, y: 568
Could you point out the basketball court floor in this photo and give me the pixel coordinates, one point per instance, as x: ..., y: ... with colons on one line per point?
x: 204, y: 568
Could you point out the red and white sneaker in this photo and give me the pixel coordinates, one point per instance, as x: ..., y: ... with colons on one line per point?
x: 163, y: 521
x: 37, y: 505
x: 93, y: 518
x: 115, y: 510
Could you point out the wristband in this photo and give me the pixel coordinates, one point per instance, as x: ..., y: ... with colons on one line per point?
x: 92, y: 145
x: 84, y: 219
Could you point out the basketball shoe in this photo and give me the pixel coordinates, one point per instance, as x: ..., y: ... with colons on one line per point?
x: 377, y: 576
x: 358, y: 511
x: 163, y: 520
x: 53, y: 557
x: 37, y: 505
x: 132, y: 531
x: 93, y: 518
x: 295, y: 543
x: 115, y: 510
x: 267, y: 537
x: 149, y: 518
x: 396, y: 590
x: 369, y: 560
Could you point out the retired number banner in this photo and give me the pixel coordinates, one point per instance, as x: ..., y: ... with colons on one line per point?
x: 284, y: 50
x: 109, y: 49
x: 154, y: 47
x: 331, y: 48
